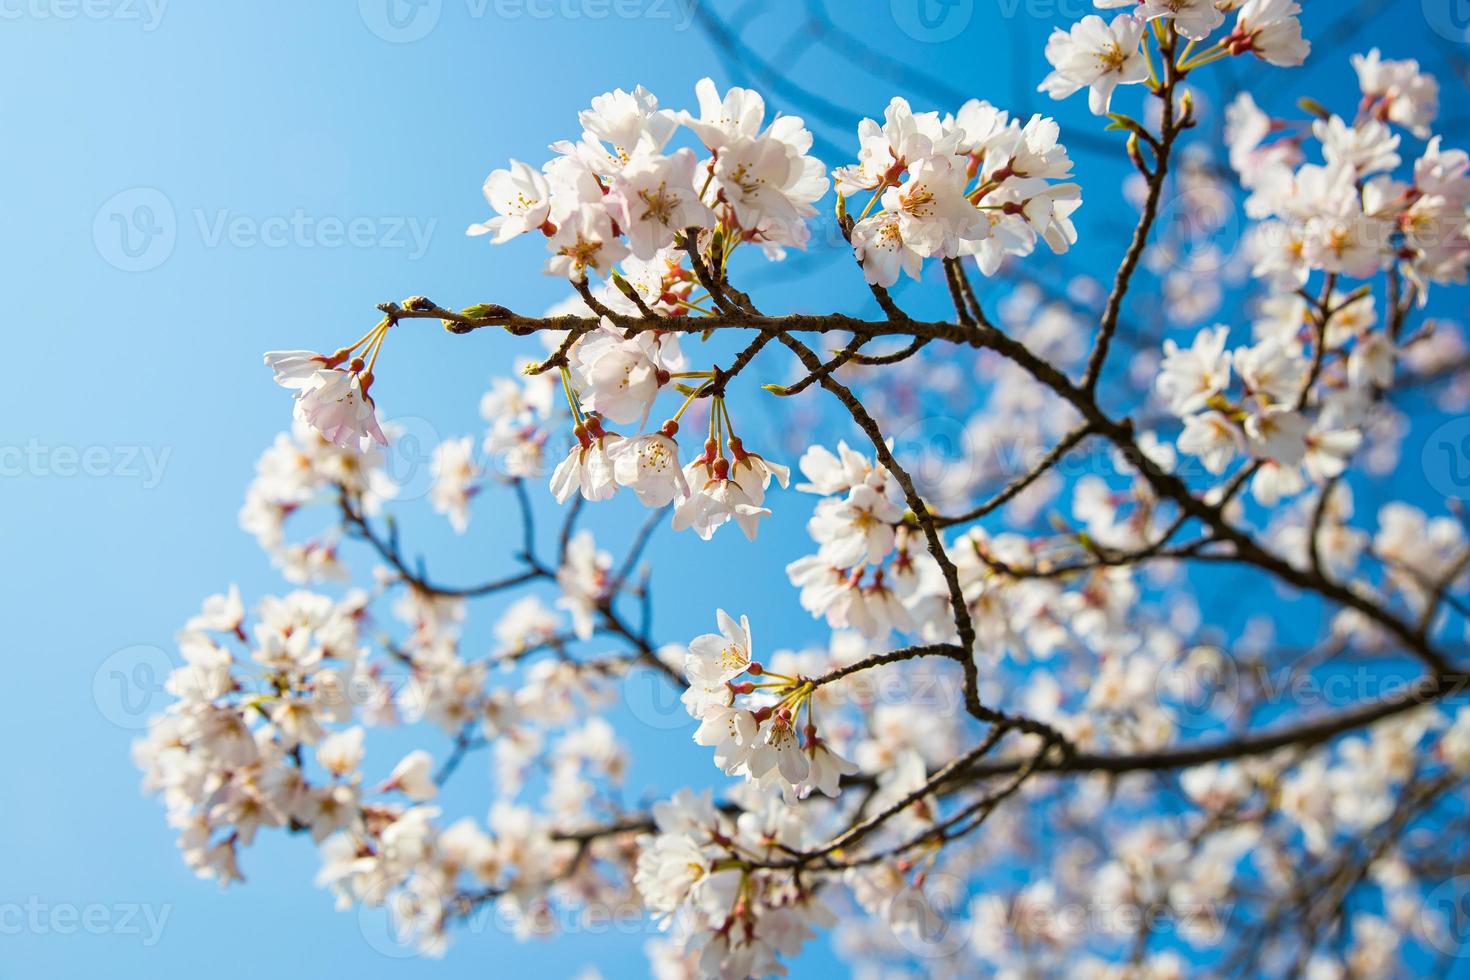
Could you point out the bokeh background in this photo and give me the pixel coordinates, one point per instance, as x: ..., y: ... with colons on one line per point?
x: 189, y: 183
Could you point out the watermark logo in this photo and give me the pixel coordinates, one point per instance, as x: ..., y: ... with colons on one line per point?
x: 408, y: 459
x: 146, y: 464
x: 128, y: 687
x: 653, y: 700
x: 135, y: 230
x: 1450, y: 19
x: 1446, y: 924
x: 1199, y: 229
x: 147, y: 13
x: 301, y: 230
x: 928, y: 922
x: 405, y: 21
x: 941, y: 456
x: 932, y: 21
x: 1201, y: 688
x: 400, y: 21
x: 36, y: 917
x: 1446, y: 459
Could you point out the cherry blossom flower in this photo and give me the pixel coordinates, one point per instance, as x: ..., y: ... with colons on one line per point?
x: 1195, y: 19
x: 456, y: 478
x: 1397, y: 92
x: 588, y: 467
x: 731, y: 732
x: 886, y: 152
x: 825, y: 771
x: 1270, y: 30
x: 619, y: 378
x: 768, y: 184
x: 654, y: 198
x: 753, y: 472
x: 1213, y: 437
x: 630, y: 122
x: 333, y: 401
x: 1364, y: 148
x: 779, y: 754
x: 649, y: 466
x: 1190, y: 376
x: 1246, y: 131
x: 1095, y: 55
x: 932, y: 209
x: 1271, y: 371
x: 715, y: 499
x: 341, y: 753
x: 220, y: 614
x: 295, y: 369
x: 583, y: 579
x: 879, y: 245
x: 1278, y: 434
x: 412, y: 776
x: 521, y: 198
x: 720, y: 657
x: 584, y: 240
x: 721, y: 121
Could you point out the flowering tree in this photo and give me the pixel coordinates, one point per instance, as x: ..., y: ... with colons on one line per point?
x: 1085, y: 762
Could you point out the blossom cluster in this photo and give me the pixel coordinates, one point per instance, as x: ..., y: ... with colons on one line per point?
x: 615, y: 192
x: 1099, y: 56
x: 764, y: 742
x: 1061, y: 657
x: 268, y: 731
x: 976, y: 183
x: 1349, y: 215
x: 870, y: 572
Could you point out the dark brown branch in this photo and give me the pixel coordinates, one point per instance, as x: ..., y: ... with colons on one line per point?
x: 1169, y: 130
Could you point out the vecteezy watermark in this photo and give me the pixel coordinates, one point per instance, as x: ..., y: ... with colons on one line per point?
x: 1446, y: 919
x: 137, y: 230
x: 652, y: 699
x: 37, y: 917
x: 400, y: 21
x: 36, y: 459
x: 301, y: 230
x: 932, y: 21
x: 1450, y: 19
x: 147, y: 13
x: 679, y: 13
x: 1446, y: 459
x: 1207, y: 686
x: 406, y: 21
x: 128, y: 686
x: 1053, y: 10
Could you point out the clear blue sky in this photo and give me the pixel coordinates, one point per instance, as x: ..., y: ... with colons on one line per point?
x: 279, y: 167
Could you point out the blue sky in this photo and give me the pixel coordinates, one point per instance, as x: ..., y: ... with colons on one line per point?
x: 191, y: 183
